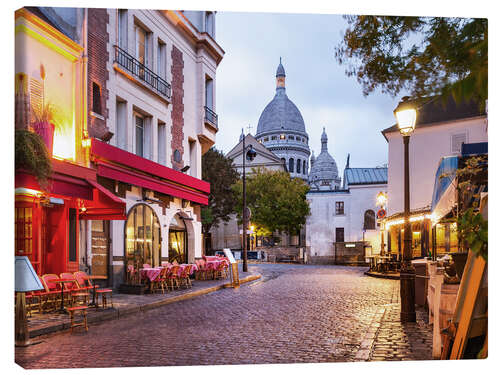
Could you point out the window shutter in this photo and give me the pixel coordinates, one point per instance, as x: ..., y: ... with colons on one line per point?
x: 36, y: 95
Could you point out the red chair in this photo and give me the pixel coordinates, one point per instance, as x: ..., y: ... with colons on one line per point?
x: 52, y: 293
x: 184, y: 276
x: 172, y: 277
x: 221, y: 270
x: 82, y: 281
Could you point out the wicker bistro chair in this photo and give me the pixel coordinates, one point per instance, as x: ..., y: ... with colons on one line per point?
x: 83, y: 282
x: 184, y: 278
x: 220, y: 271
x: 76, y: 294
x: 173, y: 277
x: 106, y: 294
x: 52, y: 295
x: 161, y: 280
x: 132, y: 275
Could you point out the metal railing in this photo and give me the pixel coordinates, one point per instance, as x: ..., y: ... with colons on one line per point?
x: 211, y: 117
x: 139, y: 70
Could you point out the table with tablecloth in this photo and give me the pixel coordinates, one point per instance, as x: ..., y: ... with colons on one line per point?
x: 152, y: 274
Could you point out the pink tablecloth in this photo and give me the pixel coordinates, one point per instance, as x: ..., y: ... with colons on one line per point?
x: 153, y: 273
x: 150, y: 273
x: 213, y: 264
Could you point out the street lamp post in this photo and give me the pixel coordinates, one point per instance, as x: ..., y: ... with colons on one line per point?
x: 406, y: 117
x: 381, y: 201
x: 248, y: 155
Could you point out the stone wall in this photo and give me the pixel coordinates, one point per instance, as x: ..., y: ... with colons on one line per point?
x: 177, y: 106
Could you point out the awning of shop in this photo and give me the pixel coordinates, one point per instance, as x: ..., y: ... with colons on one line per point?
x: 124, y: 166
x: 58, y: 184
x: 121, y: 174
x: 103, y: 206
x: 444, y: 197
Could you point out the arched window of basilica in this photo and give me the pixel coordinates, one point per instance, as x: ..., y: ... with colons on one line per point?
x: 290, y: 165
x: 298, y: 165
x: 304, y: 170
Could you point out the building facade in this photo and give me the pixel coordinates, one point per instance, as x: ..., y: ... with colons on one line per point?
x: 142, y: 87
x: 440, y: 131
x: 342, y: 217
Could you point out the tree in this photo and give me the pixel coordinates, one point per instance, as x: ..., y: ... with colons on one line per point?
x: 426, y: 56
x: 219, y: 171
x: 277, y: 202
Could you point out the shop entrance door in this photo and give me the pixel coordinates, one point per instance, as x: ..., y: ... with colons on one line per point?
x: 100, y: 248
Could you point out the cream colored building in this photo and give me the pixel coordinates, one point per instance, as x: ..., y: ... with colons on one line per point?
x: 161, y: 108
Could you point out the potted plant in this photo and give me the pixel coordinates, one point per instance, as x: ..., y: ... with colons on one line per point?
x: 43, y: 124
x: 31, y: 155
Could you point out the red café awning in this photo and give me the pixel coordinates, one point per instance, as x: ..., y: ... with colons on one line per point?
x: 117, y: 164
x: 72, y: 181
x: 103, y: 206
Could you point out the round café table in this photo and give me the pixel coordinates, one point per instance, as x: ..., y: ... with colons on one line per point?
x: 62, y: 281
x: 95, y: 277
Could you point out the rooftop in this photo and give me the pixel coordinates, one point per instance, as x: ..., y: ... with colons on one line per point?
x: 365, y: 176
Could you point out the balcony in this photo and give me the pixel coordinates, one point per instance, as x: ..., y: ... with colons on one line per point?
x: 133, y: 68
x: 211, y: 118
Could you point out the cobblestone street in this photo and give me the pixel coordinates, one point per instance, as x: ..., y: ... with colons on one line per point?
x: 293, y: 314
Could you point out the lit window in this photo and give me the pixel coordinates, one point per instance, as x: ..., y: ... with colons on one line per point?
x: 282, y: 136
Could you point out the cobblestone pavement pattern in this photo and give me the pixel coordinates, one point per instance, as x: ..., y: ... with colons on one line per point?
x: 295, y: 314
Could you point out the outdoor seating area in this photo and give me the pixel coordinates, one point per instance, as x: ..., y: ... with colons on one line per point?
x: 66, y: 293
x: 172, y: 276
x: 384, y: 263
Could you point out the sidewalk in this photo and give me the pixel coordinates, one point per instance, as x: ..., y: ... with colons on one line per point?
x: 126, y: 304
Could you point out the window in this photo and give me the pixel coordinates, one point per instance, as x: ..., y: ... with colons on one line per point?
x: 456, y: 142
x: 291, y: 137
x: 161, y: 61
x: 209, y: 23
x: 304, y: 170
x: 162, y: 143
x: 121, y: 125
x: 298, y: 165
x: 142, y: 46
x: 339, y: 208
x: 142, y: 237
x: 122, y: 29
x: 273, y: 138
x: 192, y: 158
x: 96, y: 98
x: 209, y: 93
x: 24, y: 231
x: 290, y: 165
x: 369, y: 219
x: 139, y: 135
x: 339, y: 235
x: 282, y: 136
x: 266, y: 139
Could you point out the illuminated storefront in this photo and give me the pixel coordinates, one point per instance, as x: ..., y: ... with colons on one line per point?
x: 420, y: 225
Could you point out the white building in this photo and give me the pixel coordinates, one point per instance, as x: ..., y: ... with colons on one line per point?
x: 342, y: 215
x: 160, y: 100
x: 440, y: 131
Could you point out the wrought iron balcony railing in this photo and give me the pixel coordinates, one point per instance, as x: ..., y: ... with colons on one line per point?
x: 211, y: 117
x: 139, y: 70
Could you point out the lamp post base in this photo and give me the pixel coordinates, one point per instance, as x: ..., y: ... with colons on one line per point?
x: 407, y: 290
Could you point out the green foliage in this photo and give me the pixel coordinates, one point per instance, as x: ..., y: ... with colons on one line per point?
x: 277, y: 202
x: 219, y: 171
x: 474, y: 230
x: 31, y: 155
x: 425, y: 56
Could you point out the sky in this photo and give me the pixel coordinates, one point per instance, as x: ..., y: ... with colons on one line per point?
x: 315, y: 82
